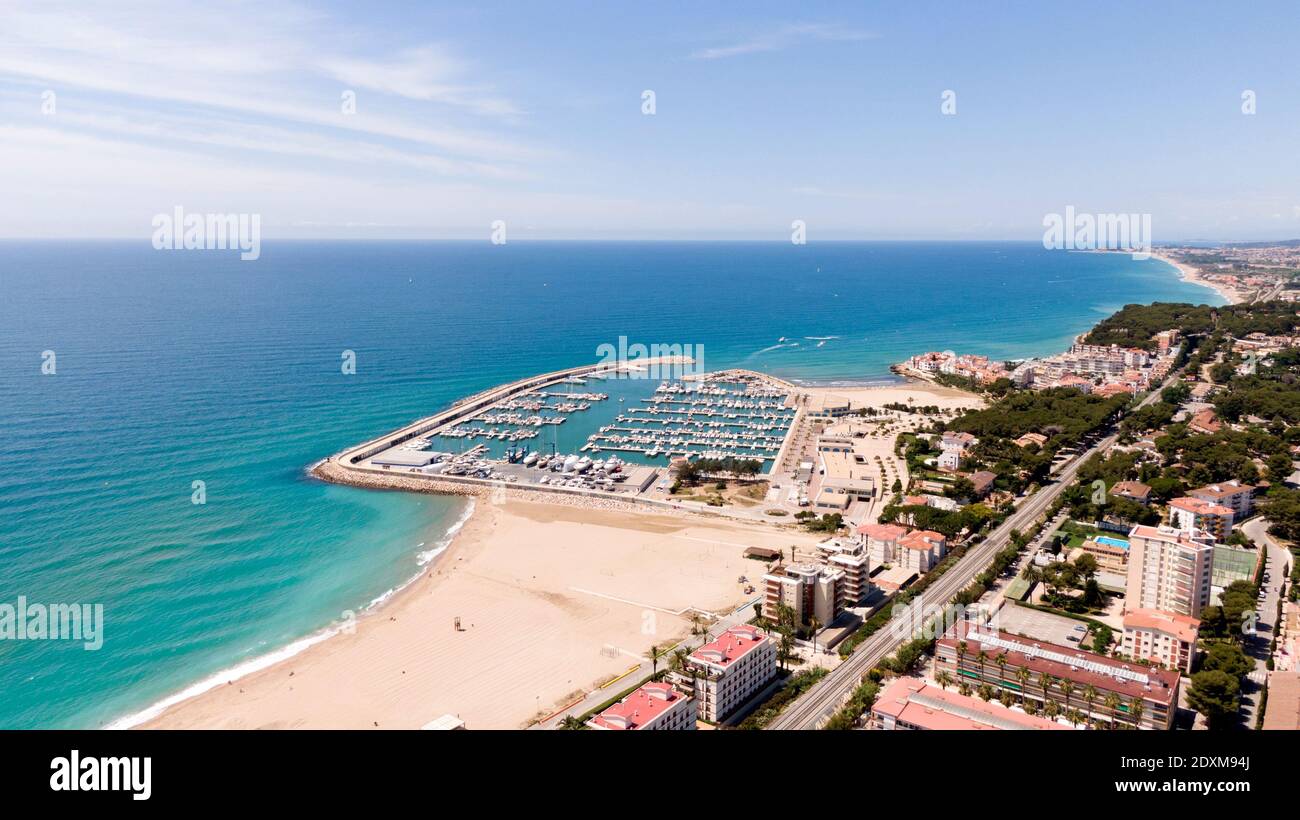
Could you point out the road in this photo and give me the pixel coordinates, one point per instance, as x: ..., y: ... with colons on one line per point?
x: 1277, y: 564
x: 823, y: 699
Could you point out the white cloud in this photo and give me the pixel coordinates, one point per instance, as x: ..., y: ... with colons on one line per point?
x: 782, y: 38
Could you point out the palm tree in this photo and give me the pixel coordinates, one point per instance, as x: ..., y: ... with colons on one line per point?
x: 986, y: 692
x: 944, y: 680
x: 784, y: 645
x: 1135, y: 710
x: 1045, y: 681
x: 981, y: 658
x: 654, y: 659
x: 1006, y: 699
x: 964, y: 688
x: 1052, y: 709
x: 571, y: 722
x: 1023, y: 675
x: 1001, y: 661
x: 813, y: 626
x: 1090, y: 695
x: 677, y: 660
x: 1075, y: 717
x: 1112, y: 702
x: 1067, y: 688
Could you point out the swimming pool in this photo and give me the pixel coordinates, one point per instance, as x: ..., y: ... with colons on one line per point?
x: 1114, y: 542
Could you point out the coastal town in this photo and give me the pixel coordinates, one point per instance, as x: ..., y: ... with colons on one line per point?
x: 1098, y: 539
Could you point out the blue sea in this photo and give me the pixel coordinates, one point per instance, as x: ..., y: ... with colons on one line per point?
x: 176, y: 367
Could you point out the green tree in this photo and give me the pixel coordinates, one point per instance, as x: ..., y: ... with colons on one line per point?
x: 1217, y: 696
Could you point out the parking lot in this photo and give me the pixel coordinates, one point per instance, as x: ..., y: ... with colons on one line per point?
x: 1041, y: 626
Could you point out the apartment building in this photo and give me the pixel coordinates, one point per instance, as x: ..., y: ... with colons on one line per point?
x: 652, y: 706
x: 881, y: 541
x: 1232, y: 494
x: 1103, y: 688
x: 1165, y: 638
x: 1169, y: 569
x: 810, y: 590
x: 727, y: 672
x: 851, y: 558
x: 920, y: 550
x: 1191, y: 513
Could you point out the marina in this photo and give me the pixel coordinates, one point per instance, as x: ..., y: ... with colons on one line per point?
x: 552, y: 432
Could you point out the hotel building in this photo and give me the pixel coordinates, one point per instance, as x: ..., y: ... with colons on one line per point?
x: 652, y: 706
x: 1159, y: 637
x: 726, y: 672
x: 1190, y: 513
x: 1169, y: 570
x: 911, y: 703
x: 1117, y: 687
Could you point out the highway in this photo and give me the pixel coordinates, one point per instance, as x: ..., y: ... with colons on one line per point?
x: 823, y: 699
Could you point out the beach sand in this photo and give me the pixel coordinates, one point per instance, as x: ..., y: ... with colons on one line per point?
x: 1190, y: 273
x: 553, y: 600
x: 915, y: 392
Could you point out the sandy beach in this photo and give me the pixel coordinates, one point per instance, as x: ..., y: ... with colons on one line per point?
x: 915, y: 392
x: 552, y: 599
x: 555, y: 596
x: 1194, y: 275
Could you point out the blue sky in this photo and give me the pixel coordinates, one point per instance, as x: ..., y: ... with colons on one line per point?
x: 765, y: 113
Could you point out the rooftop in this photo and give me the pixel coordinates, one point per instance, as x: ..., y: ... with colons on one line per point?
x: 639, y: 708
x: 883, y: 532
x: 1131, y: 489
x: 730, y: 646
x: 1225, y: 489
x: 1199, y: 506
x: 919, y: 704
x: 1063, y: 662
x: 1183, y: 627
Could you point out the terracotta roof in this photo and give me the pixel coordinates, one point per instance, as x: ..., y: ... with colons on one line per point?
x: 1182, y: 627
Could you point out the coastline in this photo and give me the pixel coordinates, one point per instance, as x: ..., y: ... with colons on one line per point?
x: 255, y: 692
x: 541, y: 619
x: 1189, y: 273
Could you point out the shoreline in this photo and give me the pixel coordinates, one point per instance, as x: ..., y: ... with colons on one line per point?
x: 466, y: 538
x: 1195, y: 276
x: 547, y: 632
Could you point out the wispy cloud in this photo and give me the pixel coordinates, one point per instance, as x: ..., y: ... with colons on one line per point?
x: 206, y: 82
x: 786, y: 36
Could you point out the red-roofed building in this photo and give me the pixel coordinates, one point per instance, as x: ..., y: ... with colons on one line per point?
x: 652, y: 706
x: 921, y: 549
x: 730, y: 670
x: 1189, y: 513
x: 881, y: 541
x: 1166, y: 638
x: 1205, y: 422
x: 1231, y: 494
x: 1048, y: 666
x: 911, y: 703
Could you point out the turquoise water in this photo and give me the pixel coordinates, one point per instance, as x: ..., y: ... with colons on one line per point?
x: 176, y: 367
x: 1114, y: 542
